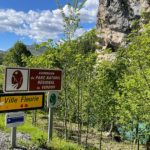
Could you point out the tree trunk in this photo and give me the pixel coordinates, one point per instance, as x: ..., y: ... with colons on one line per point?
x: 66, y: 107
x: 137, y: 136
x: 81, y: 121
x: 70, y: 129
x: 34, y: 118
x: 132, y: 140
x: 100, y: 142
x: 79, y: 139
x: 111, y: 130
x: 87, y: 131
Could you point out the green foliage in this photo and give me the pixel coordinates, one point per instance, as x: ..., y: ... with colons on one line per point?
x: 2, y: 76
x: 102, y: 93
x: 61, y: 144
x: 71, y: 20
x: 106, y: 91
x: 77, y: 59
x: 42, y: 142
x: 14, y: 56
x: 2, y: 124
x: 133, y: 99
x: 95, y: 94
x: 1, y: 58
x: 38, y: 135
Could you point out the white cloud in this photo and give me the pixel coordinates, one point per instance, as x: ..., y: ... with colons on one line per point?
x: 10, y: 20
x: 79, y: 32
x: 42, y: 25
x: 89, y: 11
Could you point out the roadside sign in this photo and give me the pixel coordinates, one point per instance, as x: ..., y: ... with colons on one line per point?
x: 45, y: 80
x: 14, y: 119
x: 31, y: 80
x: 52, y: 99
x: 21, y: 101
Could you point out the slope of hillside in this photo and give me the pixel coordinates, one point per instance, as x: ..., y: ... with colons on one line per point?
x: 33, y: 51
x: 2, y: 53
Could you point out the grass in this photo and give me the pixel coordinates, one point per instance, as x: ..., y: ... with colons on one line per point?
x: 61, y: 144
x: 2, y: 124
x: 38, y: 134
x: 30, y: 129
x: 2, y: 76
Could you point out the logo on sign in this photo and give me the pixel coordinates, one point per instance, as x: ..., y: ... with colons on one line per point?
x: 53, y: 99
x: 17, y: 79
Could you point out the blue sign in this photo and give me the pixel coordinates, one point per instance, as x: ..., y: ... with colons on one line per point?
x: 16, y: 119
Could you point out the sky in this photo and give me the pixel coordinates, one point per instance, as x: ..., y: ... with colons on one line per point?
x: 32, y: 21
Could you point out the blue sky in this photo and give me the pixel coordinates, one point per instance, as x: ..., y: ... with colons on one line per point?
x: 38, y: 20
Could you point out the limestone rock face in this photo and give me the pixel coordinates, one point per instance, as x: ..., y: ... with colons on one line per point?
x: 115, y: 18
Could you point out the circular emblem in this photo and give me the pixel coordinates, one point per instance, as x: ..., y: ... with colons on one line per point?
x: 17, y: 79
x: 53, y: 99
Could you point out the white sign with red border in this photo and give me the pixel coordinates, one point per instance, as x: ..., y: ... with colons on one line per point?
x: 31, y: 79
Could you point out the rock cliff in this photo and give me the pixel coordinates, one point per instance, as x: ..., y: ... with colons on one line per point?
x: 115, y: 19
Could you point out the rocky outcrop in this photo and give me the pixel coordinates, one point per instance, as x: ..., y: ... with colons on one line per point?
x: 115, y: 19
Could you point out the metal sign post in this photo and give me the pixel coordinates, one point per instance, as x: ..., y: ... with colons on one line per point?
x: 13, y: 120
x: 51, y: 103
x: 50, y: 125
x: 13, y: 137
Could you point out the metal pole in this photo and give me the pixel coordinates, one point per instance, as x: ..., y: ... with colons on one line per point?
x: 13, y: 137
x: 50, y: 125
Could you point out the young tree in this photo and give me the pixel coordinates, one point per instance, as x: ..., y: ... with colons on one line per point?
x: 71, y: 24
x: 14, y: 55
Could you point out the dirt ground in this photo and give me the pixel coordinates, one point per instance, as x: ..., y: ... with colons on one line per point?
x: 108, y: 143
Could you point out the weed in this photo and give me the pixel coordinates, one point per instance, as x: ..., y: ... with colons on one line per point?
x: 42, y: 142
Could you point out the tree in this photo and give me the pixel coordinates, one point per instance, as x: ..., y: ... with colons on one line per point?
x: 135, y: 86
x: 1, y: 58
x: 71, y: 24
x: 77, y: 59
x: 14, y: 56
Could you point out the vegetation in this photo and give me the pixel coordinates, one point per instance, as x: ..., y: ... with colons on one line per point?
x: 38, y: 134
x: 14, y: 56
x: 2, y: 54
